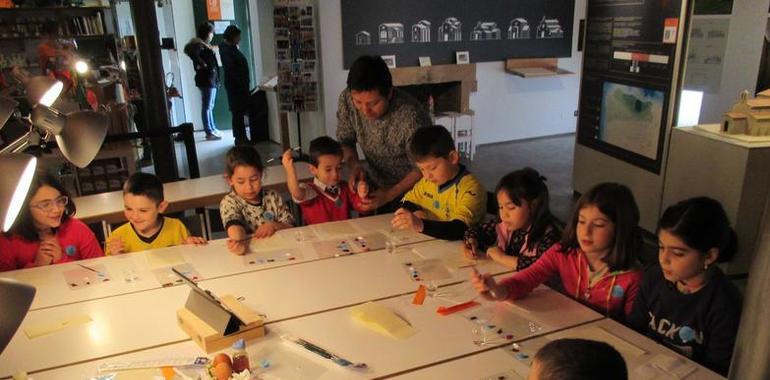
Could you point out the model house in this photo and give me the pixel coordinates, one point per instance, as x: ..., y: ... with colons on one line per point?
x: 518, y: 29
x: 749, y: 116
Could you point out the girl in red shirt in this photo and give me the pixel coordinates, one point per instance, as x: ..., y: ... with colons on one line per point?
x: 45, y: 232
x: 596, y: 258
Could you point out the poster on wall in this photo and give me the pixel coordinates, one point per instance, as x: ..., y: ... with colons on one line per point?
x: 220, y: 9
x: 706, y: 53
x: 490, y: 30
x: 296, y: 56
x: 628, y: 77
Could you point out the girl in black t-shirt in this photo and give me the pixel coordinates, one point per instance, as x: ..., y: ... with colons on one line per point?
x: 686, y: 302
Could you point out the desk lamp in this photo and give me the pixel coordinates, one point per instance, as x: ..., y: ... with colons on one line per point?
x: 79, y: 134
x: 16, y: 299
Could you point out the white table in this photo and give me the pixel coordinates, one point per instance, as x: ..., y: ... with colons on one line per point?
x: 181, y: 195
x: 437, y: 339
x: 210, y: 261
x: 498, y: 361
x: 282, y: 293
x: 310, y: 298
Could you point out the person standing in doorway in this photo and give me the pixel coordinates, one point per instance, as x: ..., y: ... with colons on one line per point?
x: 236, y: 70
x: 206, y: 75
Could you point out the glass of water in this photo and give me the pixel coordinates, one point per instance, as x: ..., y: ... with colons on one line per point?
x: 391, y: 246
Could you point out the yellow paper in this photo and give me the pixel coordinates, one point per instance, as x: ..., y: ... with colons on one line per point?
x: 382, y: 320
x: 164, y: 258
x: 140, y: 374
x: 626, y: 349
x: 457, y: 260
x: 41, y: 329
x: 273, y: 242
x: 335, y: 229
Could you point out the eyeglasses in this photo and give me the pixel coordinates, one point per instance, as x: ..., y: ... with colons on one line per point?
x: 52, y: 204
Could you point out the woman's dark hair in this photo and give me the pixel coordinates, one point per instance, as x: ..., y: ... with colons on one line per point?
x: 245, y: 155
x: 527, y: 185
x: 702, y: 224
x: 25, y: 225
x: 204, y: 29
x: 231, y: 32
x: 369, y: 72
x: 616, y: 202
x: 580, y: 359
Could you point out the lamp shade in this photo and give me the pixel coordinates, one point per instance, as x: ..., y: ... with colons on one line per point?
x: 16, y: 299
x: 43, y: 90
x: 82, y: 136
x: 17, y: 171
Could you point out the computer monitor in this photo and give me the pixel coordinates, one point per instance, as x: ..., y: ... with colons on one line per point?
x: 15, y: 298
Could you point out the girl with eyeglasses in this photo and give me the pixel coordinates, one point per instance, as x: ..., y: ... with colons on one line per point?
x: 45, y: 232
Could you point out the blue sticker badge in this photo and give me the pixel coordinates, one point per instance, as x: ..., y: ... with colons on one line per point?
x: 618, y: 291
x: 686, y: 334
x: 70, y: 250
x: 436, y: 204
x: 269, y: 216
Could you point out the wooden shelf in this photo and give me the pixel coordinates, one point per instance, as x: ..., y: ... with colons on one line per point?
x: 83, y: 37
x: 534, y: 67
x: 58, y: 9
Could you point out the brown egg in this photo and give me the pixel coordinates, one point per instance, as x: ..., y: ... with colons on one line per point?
x: 222, y: 358
x: 223, y: 371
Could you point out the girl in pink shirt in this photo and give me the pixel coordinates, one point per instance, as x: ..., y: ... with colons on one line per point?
x: 596, y: 259
x: 45, y: 232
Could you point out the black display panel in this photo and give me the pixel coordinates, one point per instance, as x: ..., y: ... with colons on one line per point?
x: 490, y: 30
x: 627, y: 78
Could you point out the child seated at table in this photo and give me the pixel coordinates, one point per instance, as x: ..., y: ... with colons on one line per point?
x: 45, y: 231
x: 686, y: 302
x: 526, y: 228
x: 326, y: 198
x: 448, y: 198
x: 249, y: 211
x: 596, y: 259
x: 578, y: 359
x: 147, y: 228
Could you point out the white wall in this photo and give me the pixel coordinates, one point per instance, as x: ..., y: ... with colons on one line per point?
x: 742, y: 58
x: 507, y: 107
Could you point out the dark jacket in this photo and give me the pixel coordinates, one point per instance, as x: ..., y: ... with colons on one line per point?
x: 236, y: 70
x: 204, y: 62
x: 701, y: 325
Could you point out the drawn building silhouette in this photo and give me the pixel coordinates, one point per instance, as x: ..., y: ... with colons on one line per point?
x: 421, y: 31
x: 518, y: 29
x: 450, y: 30
x: 485, y: 31
x: 391, y: 33
x: 549, y: 28
x: 363, y: 38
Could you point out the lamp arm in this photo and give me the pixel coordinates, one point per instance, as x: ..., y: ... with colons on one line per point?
x: 20, y: 144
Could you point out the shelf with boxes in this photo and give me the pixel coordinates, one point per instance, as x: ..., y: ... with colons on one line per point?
x: 107, y: 172
x: 66, y: 22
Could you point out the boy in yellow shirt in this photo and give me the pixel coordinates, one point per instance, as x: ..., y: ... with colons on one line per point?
x: 146, y: 227
x: 448, y: 198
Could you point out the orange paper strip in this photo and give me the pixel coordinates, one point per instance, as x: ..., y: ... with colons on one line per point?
x: 419, y: 297
x: 459, y: 307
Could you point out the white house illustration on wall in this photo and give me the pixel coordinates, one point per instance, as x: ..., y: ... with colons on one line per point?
x: 518, y: 29
x: 421, y: 31
x: 391, y: 33
x: 450, y: 30
x: 549, y: 28
x: 363, y: 38
x: 749, y: 116
x: 485, y: 30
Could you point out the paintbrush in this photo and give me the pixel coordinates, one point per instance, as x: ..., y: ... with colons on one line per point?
x: 295, y: 149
